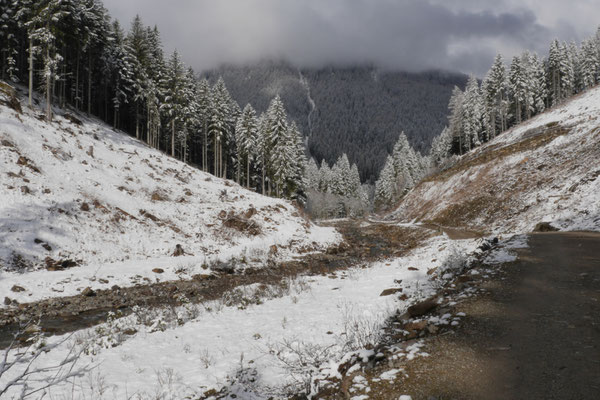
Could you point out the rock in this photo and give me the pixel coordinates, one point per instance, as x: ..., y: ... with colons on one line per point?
x: 431, y: 271
x: 130, y: 331
x: 158, y: 270
x: 241, y: 224
x: 273, y: 249
x: 88, y: 292
x: 416, y: 326
x: 85, y: 206
x: 178, y: 251
x: 7, y: 301
x: 250, y: 213
x: 416, y: 310
x: 17, y: 289
x: 545, y: 227
x: 115, y: 287
x: 389, y: 292
x: 433, y: 329
x: 403, y: 297
x: 103, y: 281
x: 25, y: 190
x: 73, y: 119
x: 412, y: 269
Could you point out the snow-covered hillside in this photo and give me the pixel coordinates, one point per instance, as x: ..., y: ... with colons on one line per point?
x: 545, y: 170
x: 75, y: 193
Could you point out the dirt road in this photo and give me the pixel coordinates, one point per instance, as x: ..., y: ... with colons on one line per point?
x: 534, y: 335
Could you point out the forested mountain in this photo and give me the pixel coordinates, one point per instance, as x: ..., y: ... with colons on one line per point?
x: 359, y: 110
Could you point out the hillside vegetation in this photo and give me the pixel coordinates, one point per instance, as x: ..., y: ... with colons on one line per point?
x: 544, y: 170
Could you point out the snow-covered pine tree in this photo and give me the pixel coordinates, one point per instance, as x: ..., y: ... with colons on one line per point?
x: 204, y: 106
x: 554, y: 71
x: 325, y: 177
x: 9, y: 45
x: 46, y: 22
x: 281, y: 146
x: 455, y: 119
x: 590, y: 63
x: 153, y: 90
x: 312, y: 175
x: 173, y: 106
x: 472, y: 114
x: 494, y: 92
x: 220, y: 117
x: 246, y: 141
x: 385, y: 186
x: 297, y: 182
x: 518, y: 88
x: 567, y: 72
x: 441, y: 148
x: 340, y: 177
x: 538, y: 87
x: 117, y: 70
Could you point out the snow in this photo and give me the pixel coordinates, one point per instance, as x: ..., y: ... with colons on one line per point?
x: 390, y: 375
x: 324, y: 311
x: 142, y: 203
x: 556, y: 181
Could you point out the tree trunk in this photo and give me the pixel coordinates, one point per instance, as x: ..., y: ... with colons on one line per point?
x: 30, y: 72
x: 248, y: 172
x: 173, y: 137
x: 48, y: 87
x: 215, y: 155
x: 263, y: 175
x: 77, y: 100
x: 89, y: 91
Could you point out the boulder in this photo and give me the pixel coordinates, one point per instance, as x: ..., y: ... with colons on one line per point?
x: 389, y: 292
x: 17, y: 288
x: 88, y: 292
x: 545, y: 227
x: 416, y: 310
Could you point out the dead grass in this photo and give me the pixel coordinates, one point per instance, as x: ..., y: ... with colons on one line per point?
x: 534, y: 138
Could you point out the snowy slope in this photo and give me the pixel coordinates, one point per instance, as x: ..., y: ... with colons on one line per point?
x: 118, y: 208
x: 545, y: 170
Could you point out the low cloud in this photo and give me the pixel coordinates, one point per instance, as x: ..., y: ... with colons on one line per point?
x: 403, y: 34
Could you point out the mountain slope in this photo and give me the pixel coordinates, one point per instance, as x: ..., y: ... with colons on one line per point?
x: 74, y: 189
x: 545, y: 170
x: 356, y: 110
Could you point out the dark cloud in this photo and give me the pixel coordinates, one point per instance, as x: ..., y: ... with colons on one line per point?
x: 396, y: 34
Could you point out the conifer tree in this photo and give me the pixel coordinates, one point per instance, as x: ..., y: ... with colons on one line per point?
x: 246, y: 140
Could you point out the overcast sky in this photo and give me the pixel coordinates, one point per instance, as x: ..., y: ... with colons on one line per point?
x: 461, y: 35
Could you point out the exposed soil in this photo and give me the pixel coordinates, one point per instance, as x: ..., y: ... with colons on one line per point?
x: 534, y: 334
x: 363, y: 242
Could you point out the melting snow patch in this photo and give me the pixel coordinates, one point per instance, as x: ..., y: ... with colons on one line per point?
x: 390, y: 375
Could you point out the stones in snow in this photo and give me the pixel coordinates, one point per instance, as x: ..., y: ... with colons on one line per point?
x: 545, y: 227
x: 178, y: 251
x: 418, y: 309
x: 54, y: 265
x: 88, y: 292
x: 389, y: 292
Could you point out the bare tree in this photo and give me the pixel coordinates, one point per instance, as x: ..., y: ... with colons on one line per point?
x: 20, y: 373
